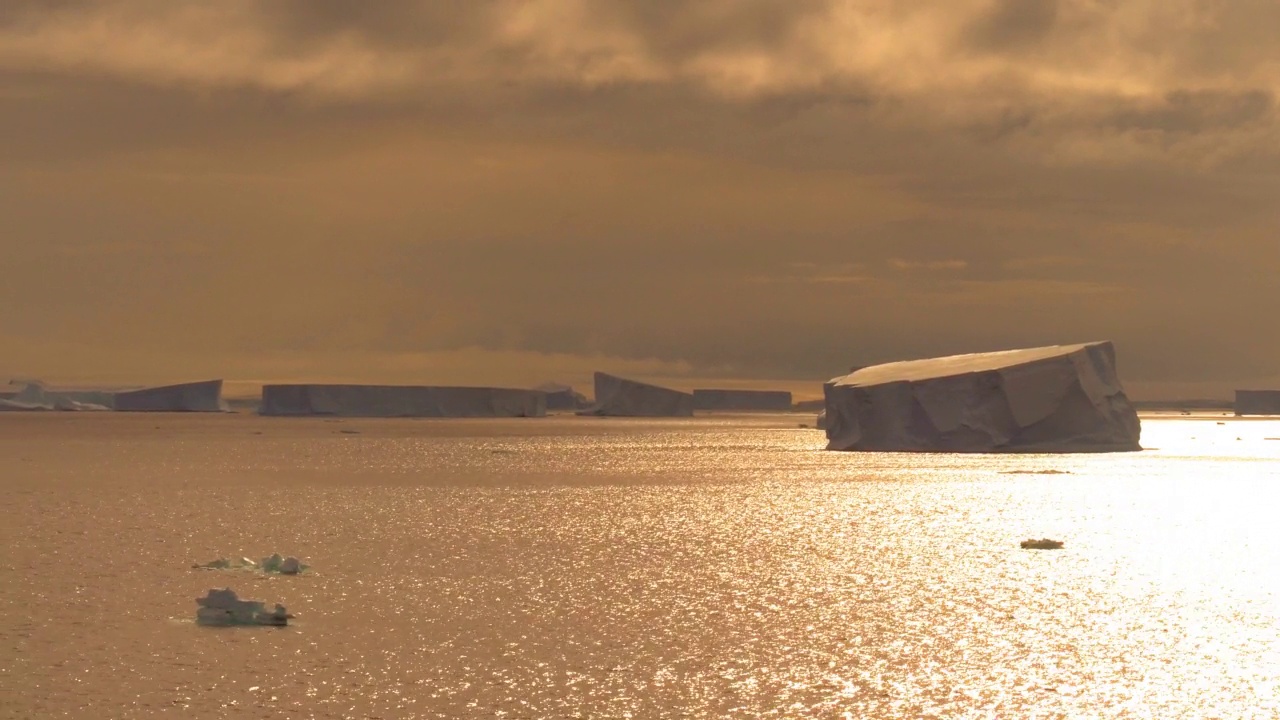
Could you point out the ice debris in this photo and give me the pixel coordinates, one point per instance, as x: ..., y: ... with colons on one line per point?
x: 1041, y: 544
x: 283, y: 565
x: 223, y: 607
x: 275, y: 563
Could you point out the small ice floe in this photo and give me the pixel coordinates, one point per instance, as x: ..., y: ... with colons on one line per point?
x: 272, y: 564
x: 1041, y: 544
x: 224, y: 608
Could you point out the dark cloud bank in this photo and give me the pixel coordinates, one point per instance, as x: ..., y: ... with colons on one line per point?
x: 727, y: 189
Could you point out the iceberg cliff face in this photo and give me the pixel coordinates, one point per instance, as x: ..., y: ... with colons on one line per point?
x: 777, y: 400
x: 401, y: 401
x: 1061, y: 398
x: 627, y: 398
x: 187, y: 397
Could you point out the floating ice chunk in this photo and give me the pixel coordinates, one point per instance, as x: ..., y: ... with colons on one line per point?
x: 275, y: 563
x: 1041, y: 544
x: 223, y: 607
x: 282, y: 565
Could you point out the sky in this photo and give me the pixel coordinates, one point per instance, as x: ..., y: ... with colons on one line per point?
x: 731, y: 191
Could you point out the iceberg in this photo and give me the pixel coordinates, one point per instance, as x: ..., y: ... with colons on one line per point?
x: 1060, y: 398
x: 776, y: 400
x: 203, y: 396
x: 36, y: 396
x: 627, y: 398
x: 56, y: 404
x: 1257, y: 402
x: 224, y: 607
x: 562, y: 397
x: 282, y: 565
x: 401, y: 401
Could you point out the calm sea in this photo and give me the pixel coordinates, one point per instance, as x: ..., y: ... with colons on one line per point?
x: 719, y: 567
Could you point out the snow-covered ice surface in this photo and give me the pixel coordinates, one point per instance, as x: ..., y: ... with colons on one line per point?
x: 1062, y: 398
x: 620, y: 397
x: 707, y: 567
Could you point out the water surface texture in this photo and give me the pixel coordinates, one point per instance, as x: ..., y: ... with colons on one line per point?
x: 581, y: 568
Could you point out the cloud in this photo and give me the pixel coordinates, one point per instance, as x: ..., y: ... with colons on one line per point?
x: 725, y: 187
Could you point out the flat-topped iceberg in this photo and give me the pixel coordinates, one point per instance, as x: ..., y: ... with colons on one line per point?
x: 744, y: 400
x: 205, y: 396
x: 402, y: 401
x: 1257, y: 402
x: 627, y: 398
x: 223, y: 607
x: 1060, y: 398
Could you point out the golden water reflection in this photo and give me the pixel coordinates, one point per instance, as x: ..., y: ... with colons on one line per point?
x: 582, y: 568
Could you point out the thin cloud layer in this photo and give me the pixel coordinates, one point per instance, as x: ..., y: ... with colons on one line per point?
x: 733, y: 188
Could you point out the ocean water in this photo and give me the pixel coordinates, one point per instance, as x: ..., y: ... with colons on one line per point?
x: 719, y: 567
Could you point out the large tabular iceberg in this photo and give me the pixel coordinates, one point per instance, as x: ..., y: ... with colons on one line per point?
x: 203, y: 396
x: 1257, y: 402
x: 628, y: 398
x: 401, y: 401
x: 1062, y: 398
x: 779, y: 400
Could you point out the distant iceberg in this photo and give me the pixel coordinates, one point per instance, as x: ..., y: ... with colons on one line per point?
x: 1061, y: 398
x: 36, y: 396
x: 273, y: 564
x: 203, y: 396
x: 627, y: 398
x: 401, y: 401
x: 1257, y: 402
x: 742, y: 400
x: 562, y: 397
